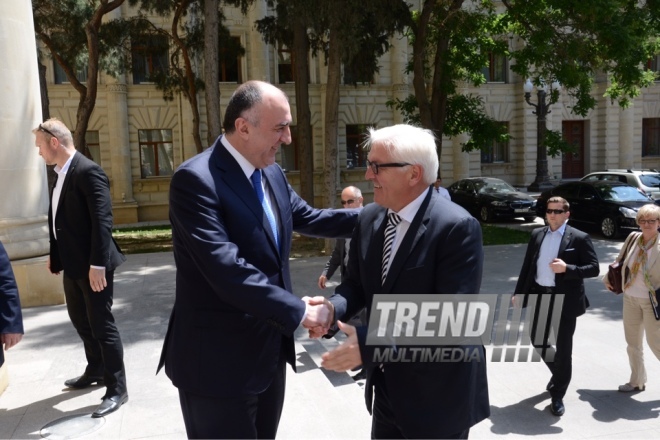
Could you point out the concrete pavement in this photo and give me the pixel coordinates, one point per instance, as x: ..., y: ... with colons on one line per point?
x: 321, y: 404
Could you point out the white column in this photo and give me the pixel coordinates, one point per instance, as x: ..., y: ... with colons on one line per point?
x: 626, y: 123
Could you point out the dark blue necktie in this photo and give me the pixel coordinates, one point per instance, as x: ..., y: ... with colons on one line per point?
x: 259, y: 190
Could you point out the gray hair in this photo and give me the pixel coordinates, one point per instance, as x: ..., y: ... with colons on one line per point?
x: 56, y: 128
x: 649, y: 211
x: 407, y: 143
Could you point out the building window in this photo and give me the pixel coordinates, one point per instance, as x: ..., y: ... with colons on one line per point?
x: 229, y: 60
x: 149, y: 56
x: 654, y: 65
x: 651, y: 137
x: 356, y: 134
x: 285, y: 65
x: 93, y: 145
x: 290, y: 152
x: 60, y: 76
x: 497, y: 152
x: 353, y: 75
x: 156, y: 153
x: 496, y: 69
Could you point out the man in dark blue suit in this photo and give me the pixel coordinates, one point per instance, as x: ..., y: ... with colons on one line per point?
x: 11, y: 318
x: 433, y: 247
x: 231, y: 330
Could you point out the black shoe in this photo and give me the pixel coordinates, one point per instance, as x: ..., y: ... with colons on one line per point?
x: 557, y: 407
x: 83, y: 381
x: 550, y: 385
x: 361, y: 375
x: 110, y: 405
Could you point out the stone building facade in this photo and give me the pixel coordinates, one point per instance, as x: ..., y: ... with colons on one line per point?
x: 139, y: 138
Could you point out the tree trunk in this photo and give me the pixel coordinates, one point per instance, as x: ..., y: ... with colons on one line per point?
x: 211, y: 75
x: 45, y: 103
x: 303, y: 116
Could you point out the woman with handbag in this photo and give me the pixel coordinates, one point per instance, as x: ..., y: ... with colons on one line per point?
x: 640, y: 257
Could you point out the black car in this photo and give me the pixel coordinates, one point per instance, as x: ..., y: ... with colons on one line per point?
x: 488, y: 198
x: 611, y: 206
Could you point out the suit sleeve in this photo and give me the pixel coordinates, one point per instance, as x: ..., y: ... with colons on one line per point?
x: 11, y: 318
x: 527, y: 262
x: 588, y: 266
x: 334, y: 261
x: 96, y: 189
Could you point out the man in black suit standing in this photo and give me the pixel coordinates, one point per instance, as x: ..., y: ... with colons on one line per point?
x: 11, y: 318
x: 233, y: 214
x: 558, y: 259
x: 82, y: 247
x: 411, y: 241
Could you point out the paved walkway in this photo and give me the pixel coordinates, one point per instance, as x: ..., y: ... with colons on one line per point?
x: 320, y: 404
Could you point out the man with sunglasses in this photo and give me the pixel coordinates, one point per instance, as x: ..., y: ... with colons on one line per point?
x: 82, y: 247
x: 558, y: 259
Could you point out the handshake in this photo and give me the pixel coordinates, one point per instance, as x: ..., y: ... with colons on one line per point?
x: 319, y: 316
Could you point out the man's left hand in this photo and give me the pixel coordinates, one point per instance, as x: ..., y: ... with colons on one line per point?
x: 558, y: 265
x: 10, y: 339
x: 347, y: 355
x: 97, y: 279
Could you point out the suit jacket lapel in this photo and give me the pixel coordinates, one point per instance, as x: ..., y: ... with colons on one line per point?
x: 372, y: 241
x: 236, y: 181
x: 413, y: 235
x: 67, y: 180
x: 565, y: 240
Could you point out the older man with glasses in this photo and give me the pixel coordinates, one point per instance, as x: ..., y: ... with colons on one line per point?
x: 558, y: 259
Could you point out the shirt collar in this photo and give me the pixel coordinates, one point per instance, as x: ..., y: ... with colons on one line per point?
x: 245, y: 165
x: 560, y: 230
x: 409, y: 211
x: 65, y: 168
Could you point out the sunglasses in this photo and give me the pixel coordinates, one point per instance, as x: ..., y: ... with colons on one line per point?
x: 348, y: 202
x: 647, y: 222
x: 554, y: 211
x: 47, y: 131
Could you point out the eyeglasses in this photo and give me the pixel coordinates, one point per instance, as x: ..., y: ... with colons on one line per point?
x: 647, y: 222
x: 47, y: 131
x: 348, y: 202
x: 554, y: 211
x: 375, y: 166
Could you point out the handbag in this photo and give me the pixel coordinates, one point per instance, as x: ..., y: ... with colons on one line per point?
x: 615, y: 270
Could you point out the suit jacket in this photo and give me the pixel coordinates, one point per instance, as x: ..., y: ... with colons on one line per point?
x: 337, y: 260
x: 11, y: 318
x: 234, y: 314
x: 83, y: 222
x: 653, y: 261
x: 441, y: 253
x: 578, y: 253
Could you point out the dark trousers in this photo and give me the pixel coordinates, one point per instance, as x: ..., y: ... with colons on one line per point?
x: 383, y: 422
x: 91, y: 315
x: 561, y: 365
x: 253, y: 416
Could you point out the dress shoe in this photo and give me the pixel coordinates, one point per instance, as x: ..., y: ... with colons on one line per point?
x: 557, y: 407
x: 110, y: 404
x: 83, y: 381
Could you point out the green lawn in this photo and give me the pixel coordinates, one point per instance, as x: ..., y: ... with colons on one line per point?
x: 159, y: 239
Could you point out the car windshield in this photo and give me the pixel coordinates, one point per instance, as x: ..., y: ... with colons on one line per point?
x: 622, y: 194
x: 650, y: 179
x: 493, y: 186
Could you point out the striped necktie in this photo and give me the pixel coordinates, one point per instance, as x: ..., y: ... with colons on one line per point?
x: 259, y: 190
x: 393, y: 220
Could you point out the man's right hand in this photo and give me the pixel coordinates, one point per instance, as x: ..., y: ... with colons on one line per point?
x: 319, y: 315
x: 322, y: 280
x: 48, y: 265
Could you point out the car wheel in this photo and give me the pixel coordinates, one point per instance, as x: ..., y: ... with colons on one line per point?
x: 486, y: 214
x: 609, y: 228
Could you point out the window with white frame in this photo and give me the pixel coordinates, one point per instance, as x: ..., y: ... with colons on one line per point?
x: 496, y: 152
x: 497, y: 69
x: 650, y: 137
x: 149, y: 56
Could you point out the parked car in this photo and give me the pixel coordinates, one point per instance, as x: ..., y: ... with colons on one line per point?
x: 488, y: 198
x: 646, y: 180
x: 610, y: 206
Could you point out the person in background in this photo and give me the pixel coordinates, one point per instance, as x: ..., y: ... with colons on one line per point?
x: 641, y: 282
x: 440, y: 189
x: 82, y: 247
x: 11, y: 318
x: 558, y: 259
